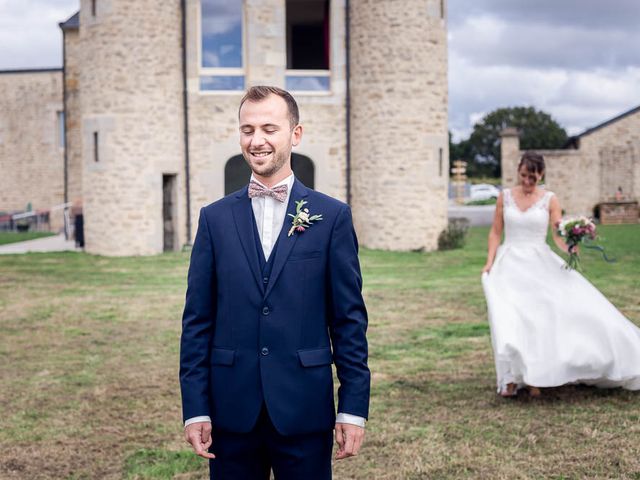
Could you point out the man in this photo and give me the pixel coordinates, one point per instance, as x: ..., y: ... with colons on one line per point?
x: 274, y: 296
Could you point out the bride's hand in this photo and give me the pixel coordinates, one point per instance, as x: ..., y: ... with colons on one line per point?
x: 486, y: 268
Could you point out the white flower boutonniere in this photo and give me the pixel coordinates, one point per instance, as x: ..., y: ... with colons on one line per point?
x: 302, y: 220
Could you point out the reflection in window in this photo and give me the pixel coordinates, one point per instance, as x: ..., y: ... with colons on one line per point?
x: 307, y: 83
x: 308, y: 44
x: 221, y: 48
x: 222, y: 83
x: 221, y: 34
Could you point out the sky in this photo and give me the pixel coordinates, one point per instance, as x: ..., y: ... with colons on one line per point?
x: 578, y: 60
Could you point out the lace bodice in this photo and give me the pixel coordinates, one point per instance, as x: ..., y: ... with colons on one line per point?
x: 529, y: 226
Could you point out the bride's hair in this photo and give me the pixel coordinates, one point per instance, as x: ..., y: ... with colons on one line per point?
x: 533, y: 162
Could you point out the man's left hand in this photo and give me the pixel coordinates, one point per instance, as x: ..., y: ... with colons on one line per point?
x: 349, y: 439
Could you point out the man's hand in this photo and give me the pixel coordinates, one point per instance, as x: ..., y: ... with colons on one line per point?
x: 199, y: 436
x: 349, y: 439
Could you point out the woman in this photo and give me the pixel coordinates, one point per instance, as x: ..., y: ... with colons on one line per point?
x: 549, y: 325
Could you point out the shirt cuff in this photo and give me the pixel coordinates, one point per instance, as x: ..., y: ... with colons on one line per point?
x: 350, y: 419
x: 203, y: 418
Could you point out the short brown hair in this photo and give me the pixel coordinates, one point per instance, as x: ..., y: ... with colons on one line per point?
x: 533, y: 162
x: 260, y: 92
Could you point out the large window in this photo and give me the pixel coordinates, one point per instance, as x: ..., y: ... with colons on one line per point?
x: 308, y: 45
x: 221, y: 48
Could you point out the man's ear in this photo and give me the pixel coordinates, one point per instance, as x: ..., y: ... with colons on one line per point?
x: 296, y: 135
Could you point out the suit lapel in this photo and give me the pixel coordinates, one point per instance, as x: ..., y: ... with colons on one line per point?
x: 243, y: 217
x: 286, y: 243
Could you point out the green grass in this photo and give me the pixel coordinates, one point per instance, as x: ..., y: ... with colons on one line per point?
x: 489, y: 201
x: 13, y: 237
x: 89, y: 373
x: 157, y: 463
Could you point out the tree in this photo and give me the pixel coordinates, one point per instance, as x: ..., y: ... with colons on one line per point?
x: 538, y: 130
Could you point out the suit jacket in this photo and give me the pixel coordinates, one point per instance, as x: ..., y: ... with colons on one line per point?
x: 248, y: 340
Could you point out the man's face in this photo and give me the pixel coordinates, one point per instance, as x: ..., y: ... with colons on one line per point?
x: 266, y: 138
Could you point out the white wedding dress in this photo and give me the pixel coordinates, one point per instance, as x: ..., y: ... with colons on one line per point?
x: 550, y: 326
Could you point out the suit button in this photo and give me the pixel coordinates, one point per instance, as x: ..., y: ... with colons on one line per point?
x: 265, y: 311
x: 265, y: 280
x: 264, y: 351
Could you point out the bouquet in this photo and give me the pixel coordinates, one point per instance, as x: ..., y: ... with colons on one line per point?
x: 575, y: 230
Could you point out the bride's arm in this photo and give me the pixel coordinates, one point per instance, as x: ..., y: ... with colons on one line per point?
x: 555, y: 215
x: 495, y: 234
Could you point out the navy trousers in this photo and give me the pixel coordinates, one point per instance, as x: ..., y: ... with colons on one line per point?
x: 252, y: 456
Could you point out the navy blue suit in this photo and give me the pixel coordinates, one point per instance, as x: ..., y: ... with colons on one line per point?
x: 260, y: 338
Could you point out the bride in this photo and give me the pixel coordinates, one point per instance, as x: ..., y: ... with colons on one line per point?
x: 549, y: 326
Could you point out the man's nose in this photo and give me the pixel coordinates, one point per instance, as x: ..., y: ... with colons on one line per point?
x: 257, y: 140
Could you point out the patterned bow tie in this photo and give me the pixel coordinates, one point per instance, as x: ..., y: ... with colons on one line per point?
x: 278, y: 193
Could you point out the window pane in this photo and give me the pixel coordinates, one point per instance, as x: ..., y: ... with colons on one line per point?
x: 222, y: 83
x: 308, y: 34
x: 309, y: 83
x: 61, y: 129
x: 221, y: 33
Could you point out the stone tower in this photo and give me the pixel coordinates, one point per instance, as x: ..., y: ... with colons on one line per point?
x: 399, y: 137
x: 131, y: 124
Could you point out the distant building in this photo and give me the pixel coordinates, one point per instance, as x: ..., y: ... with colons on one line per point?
x: 145, y: 105
x: 596, y: 164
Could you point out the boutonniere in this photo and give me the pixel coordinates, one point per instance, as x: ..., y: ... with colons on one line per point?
x: 302, y: 220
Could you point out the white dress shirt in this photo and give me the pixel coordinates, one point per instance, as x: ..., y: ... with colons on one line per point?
x: 270, y: 216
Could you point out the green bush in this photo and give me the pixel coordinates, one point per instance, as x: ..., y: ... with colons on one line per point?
x: 454, y: 235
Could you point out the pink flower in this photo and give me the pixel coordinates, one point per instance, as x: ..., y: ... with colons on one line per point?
x: 300, y: 229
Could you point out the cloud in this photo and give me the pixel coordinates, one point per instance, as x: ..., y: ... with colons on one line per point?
x: 590, y: 14
x: 29, y: 32
x: 575, y: 59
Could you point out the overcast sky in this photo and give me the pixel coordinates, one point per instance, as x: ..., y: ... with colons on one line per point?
x: 579, y: 60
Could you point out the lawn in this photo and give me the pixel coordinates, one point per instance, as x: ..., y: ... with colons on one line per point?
x: 13, y: 237
x: 89, y: 360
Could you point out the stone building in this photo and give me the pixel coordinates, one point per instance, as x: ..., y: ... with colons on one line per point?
x: 595, y: 165
x: 32, y: 141
x: 151, y: 91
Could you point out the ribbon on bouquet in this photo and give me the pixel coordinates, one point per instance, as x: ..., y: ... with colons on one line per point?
x: 601, y: 250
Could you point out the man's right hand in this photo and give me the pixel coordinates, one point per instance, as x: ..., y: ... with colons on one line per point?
x: 199, y: 436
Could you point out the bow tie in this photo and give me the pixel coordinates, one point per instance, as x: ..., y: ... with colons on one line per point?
x: 278, y: 193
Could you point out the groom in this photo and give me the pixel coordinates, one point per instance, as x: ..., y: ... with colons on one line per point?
x: 269, y: 307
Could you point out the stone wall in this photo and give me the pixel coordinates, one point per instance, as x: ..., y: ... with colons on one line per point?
x: 616, y: 148
x: 607, y: 157
x: 131, y: 84
x: 31, y: 154
x: 73, y: 115
x: 399, y: 122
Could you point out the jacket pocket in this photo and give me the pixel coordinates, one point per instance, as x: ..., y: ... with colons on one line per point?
x: 315, y: 357
x: 222, y: 356
x: 298, y: 256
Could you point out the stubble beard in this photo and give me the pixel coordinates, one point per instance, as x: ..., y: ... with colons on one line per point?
x: 269, y: 170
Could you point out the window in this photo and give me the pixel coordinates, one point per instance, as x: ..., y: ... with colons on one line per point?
x: 221, y: 47
x: 60, y: 128
x: 96, y: 150
x: 308, y: 45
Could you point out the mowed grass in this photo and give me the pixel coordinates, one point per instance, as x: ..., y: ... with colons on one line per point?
x: 89, y: 373
x: 13, y: 237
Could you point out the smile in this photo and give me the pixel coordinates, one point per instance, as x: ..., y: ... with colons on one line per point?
x: 260, y: 154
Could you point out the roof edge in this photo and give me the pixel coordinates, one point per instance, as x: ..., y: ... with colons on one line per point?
x: 604, y: 124
x: 71, y: 23
x: 31, y: 70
